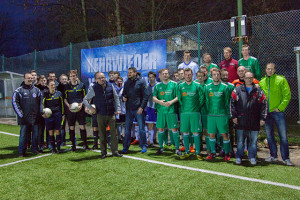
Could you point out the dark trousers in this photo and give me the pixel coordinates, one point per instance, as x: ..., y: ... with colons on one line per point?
x: 103, y: 122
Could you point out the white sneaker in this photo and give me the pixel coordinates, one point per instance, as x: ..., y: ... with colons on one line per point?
x: 271, y: 159
x: 288, y: 162
x: 238, y: 161
x: 253, y: 161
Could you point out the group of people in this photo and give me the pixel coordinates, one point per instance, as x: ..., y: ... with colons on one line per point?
x: 212, y: 101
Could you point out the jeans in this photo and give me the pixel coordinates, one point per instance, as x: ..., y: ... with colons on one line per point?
x: 22, y: 138
x: 130, y: 115
x: 252, y: 149
x: 279, y: 119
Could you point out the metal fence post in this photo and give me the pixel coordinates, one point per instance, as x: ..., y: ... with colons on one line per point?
x: 240, y: 13
x: 3, y: 62
x: 71, y: 52
x: 34, y: 62
x: 198, y: 32
x: 297, y: 51
x: 122, y: 38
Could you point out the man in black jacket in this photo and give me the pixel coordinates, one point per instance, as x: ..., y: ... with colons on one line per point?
x: 26, y: 102
x: 135, y: 96
x: 107, y: 105
x: 248, y: 109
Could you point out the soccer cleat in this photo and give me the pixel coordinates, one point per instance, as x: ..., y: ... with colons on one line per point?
x: 253, y: 161
x: 288, y: 162
x: 271, y: 159
x: 21, y: 155
x: 151, y: 145
x: 238, y: 161
x: 54, y: 151
x: 178, y: 152
x: 211, y: 156
x: 159, y: 151
x: 86, y: 147
x: 144, y: 150
x: 135, y: 142
x: 192, y: 149
x: 199, y: 157
x: 182, y: 148
x: 73, y: 148
x: 124, y: 151
x: 173, y: 147
x: 117, y: 154
x: 95, y: 147
x: 184, y: 156
x: 227, y: 158
x: 166, y: 147
x: 222, y: 153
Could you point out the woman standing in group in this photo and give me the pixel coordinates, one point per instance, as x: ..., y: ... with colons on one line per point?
x: 54, y: 101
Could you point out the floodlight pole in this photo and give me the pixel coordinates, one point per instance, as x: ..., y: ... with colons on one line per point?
x: 240, y: 13
x: 198, y: 27
x: 297, y: 51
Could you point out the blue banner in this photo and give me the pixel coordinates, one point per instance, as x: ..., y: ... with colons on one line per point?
x: 144, y: 56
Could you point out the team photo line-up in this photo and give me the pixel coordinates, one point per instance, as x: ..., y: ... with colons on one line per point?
x: 211, y: 104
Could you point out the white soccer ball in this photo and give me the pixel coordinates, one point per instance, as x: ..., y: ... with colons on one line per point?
x: 74, y: 107
x: 89, y: 111
x: 47, y: 112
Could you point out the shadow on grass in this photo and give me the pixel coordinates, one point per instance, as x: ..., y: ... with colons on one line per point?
x: 94, y: 157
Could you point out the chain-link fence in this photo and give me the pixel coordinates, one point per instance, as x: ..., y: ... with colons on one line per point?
x: 273, y: 38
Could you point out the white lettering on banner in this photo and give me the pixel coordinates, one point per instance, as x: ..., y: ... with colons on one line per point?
x: 145, y: 65
x: 146, y: 61
x: 108, y: 64
x: 138, y: 61
x: 152, y: 60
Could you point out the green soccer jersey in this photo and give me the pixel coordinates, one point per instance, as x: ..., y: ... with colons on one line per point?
x: 165, y: 92
x: 217, y: 99
x: 190, y: 97
x: 210, y: 66
x: 208, y: 81
x: 252, y: 65
x: 231, y: 87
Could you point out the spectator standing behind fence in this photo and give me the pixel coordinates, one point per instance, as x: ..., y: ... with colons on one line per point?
x: 278, y: 95
x: 230, y: 64
x: 135, y: 96
x: 248, y: 111
x: 188, y: 63
x: 107, y: 105
x: 249, y: 62
x: 241, y: 73
x: 26, y: 102
x: 207, y: 62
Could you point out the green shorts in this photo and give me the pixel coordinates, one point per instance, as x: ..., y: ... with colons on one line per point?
x: 217, y: 124
x: 166, y: 119
x: 190, y: 122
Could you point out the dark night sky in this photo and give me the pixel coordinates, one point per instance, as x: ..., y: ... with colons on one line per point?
x: 16, y: 45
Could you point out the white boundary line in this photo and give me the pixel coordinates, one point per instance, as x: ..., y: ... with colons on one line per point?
x: 180, y: 167
x: 19, y: 161
x: 9, y: 134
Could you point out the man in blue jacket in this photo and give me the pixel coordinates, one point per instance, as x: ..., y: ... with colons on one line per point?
x: 26, y: 102
x: 135, y: 96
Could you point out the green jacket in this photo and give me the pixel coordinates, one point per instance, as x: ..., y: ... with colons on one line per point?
x: 277, y: 90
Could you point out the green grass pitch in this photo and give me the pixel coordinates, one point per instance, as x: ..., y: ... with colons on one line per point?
x: 83, y: 175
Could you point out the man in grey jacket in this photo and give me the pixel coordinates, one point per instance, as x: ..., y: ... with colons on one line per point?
x: 107, y: 105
